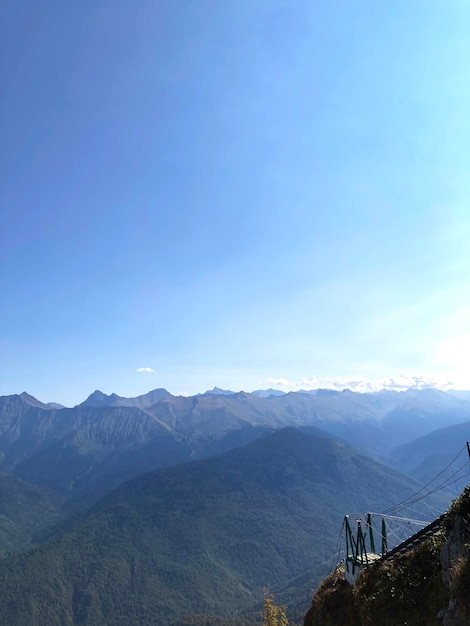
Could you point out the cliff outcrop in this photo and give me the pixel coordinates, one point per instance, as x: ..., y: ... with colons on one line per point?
x: 427, y: 586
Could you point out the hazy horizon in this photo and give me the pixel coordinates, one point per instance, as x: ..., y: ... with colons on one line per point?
x: 399, y: 385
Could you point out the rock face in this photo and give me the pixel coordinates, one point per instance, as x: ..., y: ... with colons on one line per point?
x: 454, y: 557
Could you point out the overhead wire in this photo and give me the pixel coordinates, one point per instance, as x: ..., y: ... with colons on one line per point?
x: 338, y: 549
x: 397, y: 529
x: 428, y: 483
x: 441, y: 486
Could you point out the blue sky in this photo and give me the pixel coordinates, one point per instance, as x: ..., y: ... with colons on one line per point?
x: 242, y: 193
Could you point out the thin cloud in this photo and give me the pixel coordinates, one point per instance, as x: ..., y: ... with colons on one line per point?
x: 400, y: 382
x: 280, y: 382
x: 145, y: 369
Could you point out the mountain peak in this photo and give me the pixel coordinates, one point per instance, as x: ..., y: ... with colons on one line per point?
x: 217, y: 391
x: 266, y: 393
x: 97, y: 398
x: 326, y: 392
x: 32, y: 401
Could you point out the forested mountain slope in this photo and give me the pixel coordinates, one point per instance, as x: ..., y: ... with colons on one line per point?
x: 202, y: 537
x: 25, y: 510
x: 424, y: 457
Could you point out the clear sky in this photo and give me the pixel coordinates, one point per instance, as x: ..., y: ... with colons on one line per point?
x: 233, y: 192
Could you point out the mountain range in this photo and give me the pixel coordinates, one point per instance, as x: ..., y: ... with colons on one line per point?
x: 188, y: 506
x: 66, y: 448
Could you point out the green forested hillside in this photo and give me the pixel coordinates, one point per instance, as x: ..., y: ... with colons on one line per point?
x: 200, y: 538
x: 24, y: 510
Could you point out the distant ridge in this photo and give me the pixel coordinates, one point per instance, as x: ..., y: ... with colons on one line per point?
x: 259, y: 393
x: 32, y: 401
x: 217, y: 391
x: 428, y: 455
x: 266, y: 393
x: 90, y: 448
x: 98, y: 398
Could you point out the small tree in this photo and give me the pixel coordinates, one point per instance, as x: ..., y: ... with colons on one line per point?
x: 273, y: 615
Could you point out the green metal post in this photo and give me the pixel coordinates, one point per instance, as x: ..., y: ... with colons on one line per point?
x: 364, y: 556
x: 384, y: 537
x: 371, y: 533
x: 360, y: 543
x: 350, y: 543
